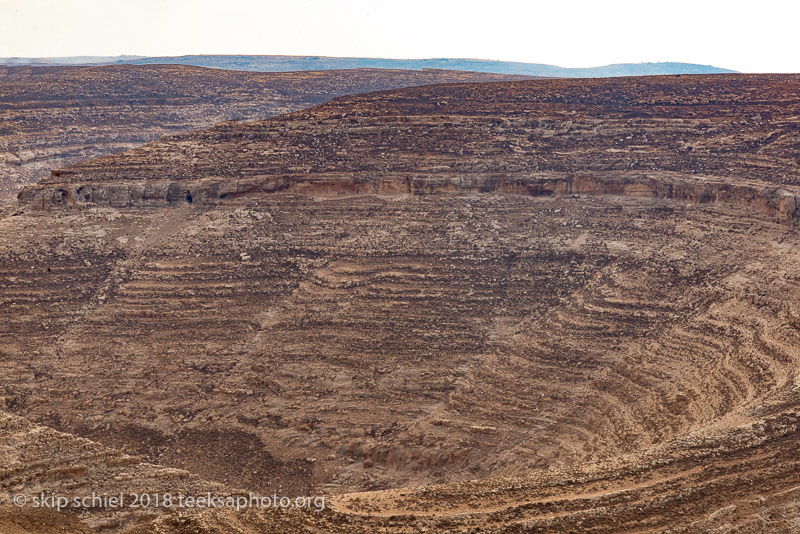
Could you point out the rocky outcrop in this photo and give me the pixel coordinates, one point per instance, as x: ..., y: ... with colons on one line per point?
x: 780, y: 203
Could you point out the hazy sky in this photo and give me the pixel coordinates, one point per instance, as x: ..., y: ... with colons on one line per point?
x: 756, y: 36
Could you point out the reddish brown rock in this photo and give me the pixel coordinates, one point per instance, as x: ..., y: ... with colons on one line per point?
x: 52, y: 116
x: 535, y: 311
x: 694, y: 138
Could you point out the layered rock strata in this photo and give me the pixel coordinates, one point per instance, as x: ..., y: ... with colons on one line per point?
x: 52, y: 116
x: 696, y: 139
x: 543, y: 340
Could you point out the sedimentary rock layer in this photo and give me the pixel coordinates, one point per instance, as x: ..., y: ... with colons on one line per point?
x: 694, y: 138
x: 52, y: 116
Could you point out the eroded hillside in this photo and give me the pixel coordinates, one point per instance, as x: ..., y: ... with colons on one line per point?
x: 52, y: 116
x: 572, y: 305
x: 673, y: 137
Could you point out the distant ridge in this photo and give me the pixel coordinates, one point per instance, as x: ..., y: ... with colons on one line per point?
x: 300, y: 63
x: 67, y: 60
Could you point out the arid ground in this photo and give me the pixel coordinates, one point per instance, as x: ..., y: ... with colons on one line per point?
x: 524, y: 306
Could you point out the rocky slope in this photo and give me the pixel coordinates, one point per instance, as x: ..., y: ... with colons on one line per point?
x: 669, y: 137
x: 39, y: 462
x: 52, y: 116
x: 501, y: 307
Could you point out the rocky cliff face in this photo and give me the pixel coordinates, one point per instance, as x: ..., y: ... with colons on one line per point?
x: 779, y: 203
x: 373, y: 294
x: 52, y: 116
